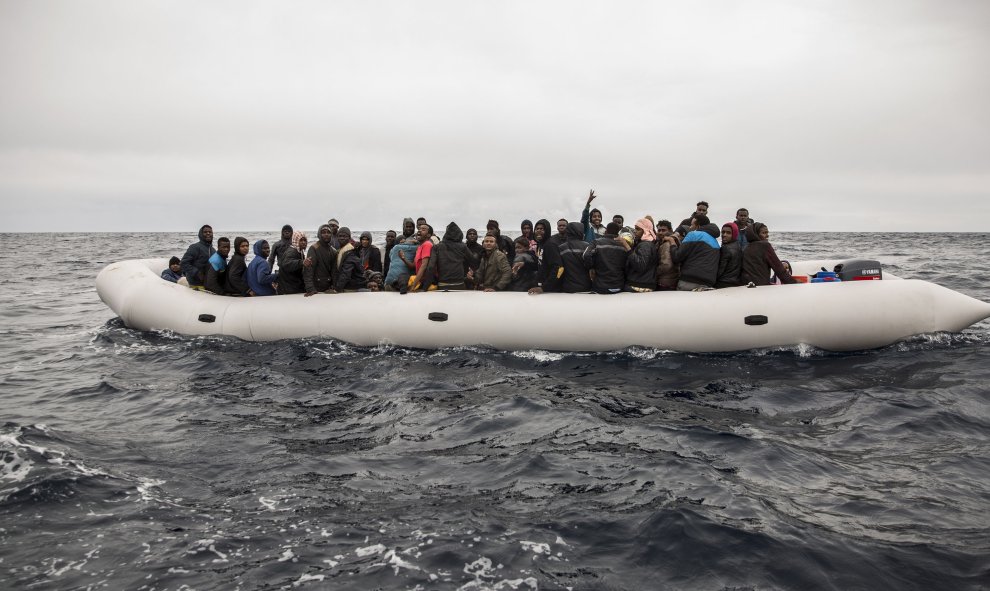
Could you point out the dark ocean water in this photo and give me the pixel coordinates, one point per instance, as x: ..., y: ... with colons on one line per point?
x: 152, y: 461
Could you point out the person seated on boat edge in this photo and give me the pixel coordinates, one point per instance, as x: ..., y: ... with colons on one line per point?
x: 284, y: 242
x: 350, y: 267
x: 774, y: 280
x: 402, y: 265
x: 503, y: 243
x: 423, y: 280
x: 321, y: 270
x: 291, y: 264
x: 561, y: 236
x: 433, y: 237
x: 743, y: 221
x: 260, y: 277
x: 729, y: 258
x: 451, y: 260
x: 493, y: 273
x: 643, y: 259
x: 759, y: 258
x: 525, y: 266
x: 408, y: 228
x: 566, y: 270
x: 700, y: 208
x: 334, y: 228
x: 371, y: 257
x: 236, y: 283
x: 606, y: 258
x: 541, y: 235
x: 390, y: 240
x: 526, y: 231
x: 591, y: 220
x: 475, y: 248
x: 197, y: 258
x: 173, y: 272
x: 668, y: 272
x: 216, y: 273
x: 698, y: 256
x: 375, y: 280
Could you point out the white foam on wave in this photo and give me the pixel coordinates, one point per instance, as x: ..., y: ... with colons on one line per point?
x: 307, y: 578
x: 539, y: 355
x: 535, y: 547
x: 370, y: 550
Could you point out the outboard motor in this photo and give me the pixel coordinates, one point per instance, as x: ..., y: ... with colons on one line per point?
x: 859, y: 270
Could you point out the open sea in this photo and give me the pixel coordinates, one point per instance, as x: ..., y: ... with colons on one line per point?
x: 145, y: 461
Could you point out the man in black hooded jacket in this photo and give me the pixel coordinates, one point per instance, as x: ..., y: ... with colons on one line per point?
x: 566, y: 269
x: 279, y: 248
x: 197, y: 258
x: 607, y: 258
x: 320, y: 266
x: 451, y: 259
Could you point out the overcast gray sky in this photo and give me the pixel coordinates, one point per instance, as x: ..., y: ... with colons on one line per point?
x: 817, y: 115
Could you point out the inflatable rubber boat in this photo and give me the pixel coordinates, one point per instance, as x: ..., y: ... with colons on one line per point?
x: 834, y: 316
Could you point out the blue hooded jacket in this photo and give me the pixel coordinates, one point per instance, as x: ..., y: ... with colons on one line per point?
x: 259, y: 275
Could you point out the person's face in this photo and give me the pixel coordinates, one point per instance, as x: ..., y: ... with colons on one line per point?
x: 208, y: 234
x: 424, y: 232
x: 390, y: 238
x: 175, y: 268
x: 561, y: 226
x: 286, y: 234
x: 617, y: 219
x: 639, y: 233
x: 540, y: 232
x: 408, y: 228
x: 726, y: 235
x: 472, y: 236
x: 223, y: 249
x: 596, y: 218
x: 764, y: 233
x: 663, y: 231
x: 488, y: 243
x: 303, y: 243
x: 266, y: 250
x: 702, y: 209
x: 243, y: 249
x: 527, y: 229
x: 520, y: 248
x: 344, y: 238
x: 493, y: 230
x: 742, y: 217
x: 333, y: 228
x: 325, y: 234
x: 365, y: 242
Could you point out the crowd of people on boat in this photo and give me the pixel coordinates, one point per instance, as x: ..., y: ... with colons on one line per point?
x: 579, y: 257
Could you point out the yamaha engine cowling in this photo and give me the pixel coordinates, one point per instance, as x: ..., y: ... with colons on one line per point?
x: 859, y: 270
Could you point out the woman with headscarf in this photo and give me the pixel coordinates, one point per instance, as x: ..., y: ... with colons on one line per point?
x: 290, y: 276
x: 759, y: 258
x: 729, y: 257
x: 641, y: 264
x: 236, y: 281
x: 371, y: 257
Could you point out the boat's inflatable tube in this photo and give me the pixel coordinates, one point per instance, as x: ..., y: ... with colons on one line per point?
x: 832, y: 316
